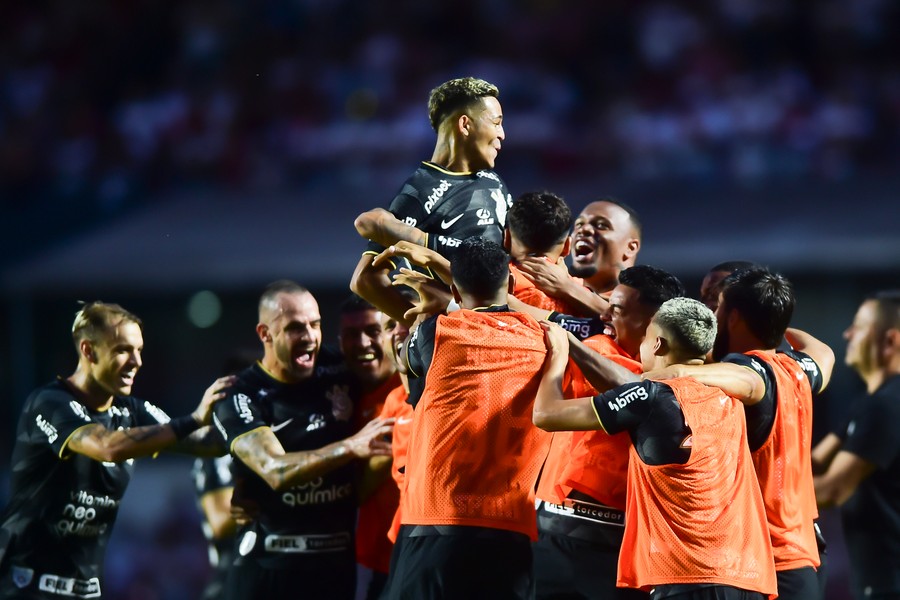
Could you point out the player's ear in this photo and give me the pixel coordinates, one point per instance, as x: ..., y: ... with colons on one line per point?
x: 661, y: 347
x: 567, y: 245
x: 262, y: 330
x: 86, y: 349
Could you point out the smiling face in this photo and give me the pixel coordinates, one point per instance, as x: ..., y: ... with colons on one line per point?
x: 627, y: 318
x: 292, y: 336
x: 365, y: 342
x: 483, y: 133
x: 604, y: 242
x: 115, y: 358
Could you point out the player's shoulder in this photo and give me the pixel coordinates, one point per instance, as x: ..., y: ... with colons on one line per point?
x: 52, y: 393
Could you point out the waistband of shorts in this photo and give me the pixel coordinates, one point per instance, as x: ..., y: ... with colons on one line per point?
x: 580, y: 519
x: 307, y: 544
x: 409, y: 531
x: 57, y: 585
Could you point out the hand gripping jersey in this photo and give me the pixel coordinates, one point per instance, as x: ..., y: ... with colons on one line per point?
x: 698, y: 522
x: 474, y: 453
x: 591, y: 462
x: 449, y: 207
x: 63, y: 504
x: 527, y: 292
x: 311, y: 519
x: 784, y: 466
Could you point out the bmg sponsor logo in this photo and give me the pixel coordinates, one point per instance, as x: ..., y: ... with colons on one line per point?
x: 627, y: 397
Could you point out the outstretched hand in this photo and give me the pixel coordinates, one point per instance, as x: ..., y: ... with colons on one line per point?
x: 434, y: 297
x: 213, y: 394
x: 417, y: 255
x: 372, y: 440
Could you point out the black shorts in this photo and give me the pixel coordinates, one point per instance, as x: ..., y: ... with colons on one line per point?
x: 799, y: 584
x: 460, y: 562
x: 316, y: 579
x: 704, y: 591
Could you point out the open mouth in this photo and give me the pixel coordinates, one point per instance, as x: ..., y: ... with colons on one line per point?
x: 305, y: 358
x: 583, y: 251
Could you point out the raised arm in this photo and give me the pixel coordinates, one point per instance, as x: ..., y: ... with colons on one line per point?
x: 552, y: 412
x: 374, y: 285
x: 417, y: 255
x: 381, y: 226
x: 819, y: 351
x: 602, y: 373
x: 261, y: 451
x: 189, y: 433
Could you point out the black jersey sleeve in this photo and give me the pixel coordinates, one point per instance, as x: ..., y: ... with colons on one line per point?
x: 147, y: 413
x: 650, y: 413
x: 407, y: 207
x: 236, y: 415
x: 420, y: 350
x: 52, y: 418
x: 810, y: 368
x: 580, y: 327
x: 760, y: 416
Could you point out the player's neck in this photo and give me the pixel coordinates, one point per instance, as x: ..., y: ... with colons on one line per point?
x: 89, y: 392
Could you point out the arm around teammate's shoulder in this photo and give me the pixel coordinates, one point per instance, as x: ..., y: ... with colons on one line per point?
x: 819, y: 351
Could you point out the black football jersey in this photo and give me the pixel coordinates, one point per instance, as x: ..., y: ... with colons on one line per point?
x: 211, y: 474
x: 63, y: 504
x: 303, y: 416
x: 449, y: 207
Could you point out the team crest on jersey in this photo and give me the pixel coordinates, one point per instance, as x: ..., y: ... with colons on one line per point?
x: 341, y: 405
x: 22, y: 576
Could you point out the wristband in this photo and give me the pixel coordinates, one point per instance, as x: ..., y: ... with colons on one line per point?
x: 184, y: 426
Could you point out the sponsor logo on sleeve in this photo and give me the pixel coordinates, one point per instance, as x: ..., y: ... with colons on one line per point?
x: 410, y: 221
x: 628, y: 396
x: 242, y: 406
x: 448, y: 242
x: 48, y: 429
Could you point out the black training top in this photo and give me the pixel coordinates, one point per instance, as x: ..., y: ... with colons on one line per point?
x: 871, y: 517
x: 63, y: 504
x: 450, y: 207
x: 303, y: 416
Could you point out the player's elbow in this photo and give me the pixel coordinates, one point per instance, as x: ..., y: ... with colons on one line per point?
x: 366, y: 224
x: 543, y: 420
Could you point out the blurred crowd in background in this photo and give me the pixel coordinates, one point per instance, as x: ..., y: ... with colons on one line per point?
x: 104, y: 103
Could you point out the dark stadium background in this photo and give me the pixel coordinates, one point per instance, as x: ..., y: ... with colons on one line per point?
x: 150, y: 151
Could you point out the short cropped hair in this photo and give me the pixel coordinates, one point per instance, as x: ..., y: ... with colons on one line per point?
x: 539, y: 220
x: 457, y: 95
x: 731, y: 266
x: 96, y: 318
x: 887, y: 306
x: 765, y: 300
x: 690, y: 323
x: 480, y: 267
x: 268, y: 300
x: 654, y: 285
x: 632, y: 213
x: 355, y: 304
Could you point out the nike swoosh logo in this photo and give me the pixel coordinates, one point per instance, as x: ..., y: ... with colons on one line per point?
x: 449, y: 224
x: 402, y: 421
x: 281, y: 425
